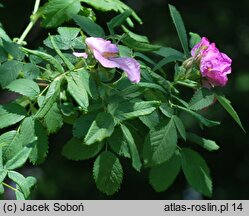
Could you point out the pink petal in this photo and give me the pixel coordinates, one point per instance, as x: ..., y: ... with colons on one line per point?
x: 83, y: 55
x: 129, y: 66
x: 103, y: 47
x: 200, y: 46
x: 105, y: 62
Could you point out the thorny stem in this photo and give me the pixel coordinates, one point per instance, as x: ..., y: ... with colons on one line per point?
x: 31, y: 24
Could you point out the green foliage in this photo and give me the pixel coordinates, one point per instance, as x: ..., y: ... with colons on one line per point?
x: 119, y: 143
x: 40, y: 148
x: 136, y: 162
x: 50, y: 98
x: 181, y: 31
x: 55, y: 12
x: 228, y: 107
x: 210, y: 145
x: 67, y: 39
x: 76, y: 87
x: 160, y: 144
x: 162, y: 176
x: 110, y: 117
x: 140, y: 38
x: 13, y: 50
x: 180, y: 127
x: 138, y: 45
x: 19, y: 159
x: 201, y: 99
x: 82, y: 125
x: 113, y: 5
x: 127, y: 110
x: 53, y: 119
x: 76, y: 150
x: 107, y: 173
x: 23, y: 184
x: 88, y: 26
x: 11, y: 114
x: 101, y: 128
x: 118, y: 20
x: 9, y: 71
x: 200, y: 118
x: 196, y: 171
x: 25, y: 87
x: 46, y: 57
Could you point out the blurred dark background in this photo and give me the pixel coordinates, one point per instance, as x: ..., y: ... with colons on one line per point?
x: 224, y: 22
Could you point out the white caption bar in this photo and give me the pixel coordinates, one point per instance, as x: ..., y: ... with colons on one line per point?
x: 125, y: 207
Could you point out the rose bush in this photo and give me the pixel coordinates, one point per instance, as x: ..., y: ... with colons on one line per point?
x: 73, y: 79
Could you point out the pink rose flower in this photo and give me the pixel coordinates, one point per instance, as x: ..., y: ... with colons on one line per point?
x: 106, y: 54
x: 214, y: 65
x: 199, y: 48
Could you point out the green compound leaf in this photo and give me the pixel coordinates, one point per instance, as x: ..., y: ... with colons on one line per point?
x: 6, y: 138
x: 4, y: 36
x: 210, y: 145
x: 75, y: 150
x: 137, y: 45
x: 118, y: 20
x: 180, y: 126
x: 136, y: 162
x: 53, y: 119
x: 127, y: 110
x: 19, y: 159
x: 162, y: 176
x: 50, y: 98
x: 88, y: 26
x: 46, y: 57
x: 25, y: 87
x: 11, y: 114
x: 24, y: 142
x: 1, y: 159
x: 201, y: 99
x: 167, y: 52
x: 136, y: 37
x: 55, y: 12
x: 107, y: 173
x: 118, y: 143
x: 27, y: 131
x: 82, y: 125
x: 12, y: 145
x: 9, y: 71
x: 113, y: 5
x: 88, y: 82
x: 76, y: 87
x: 180, y: 28
x: 67, y: 39
x: 65, y: 60
x: 200, y: 118
x: 166, y: 60
x: 3, y: 174
x: 196, y: 171
x: 160, y: 144
x: 228, y: 107
x: 40, y: 149
x: 151, y: 120
x: 21, y: 181
x: 13, y: 49
x: 101, y: 128
x: 166, y: 110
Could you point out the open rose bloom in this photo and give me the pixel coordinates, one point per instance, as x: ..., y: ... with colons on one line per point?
x: 106, y: 54
x: 214, y: 65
